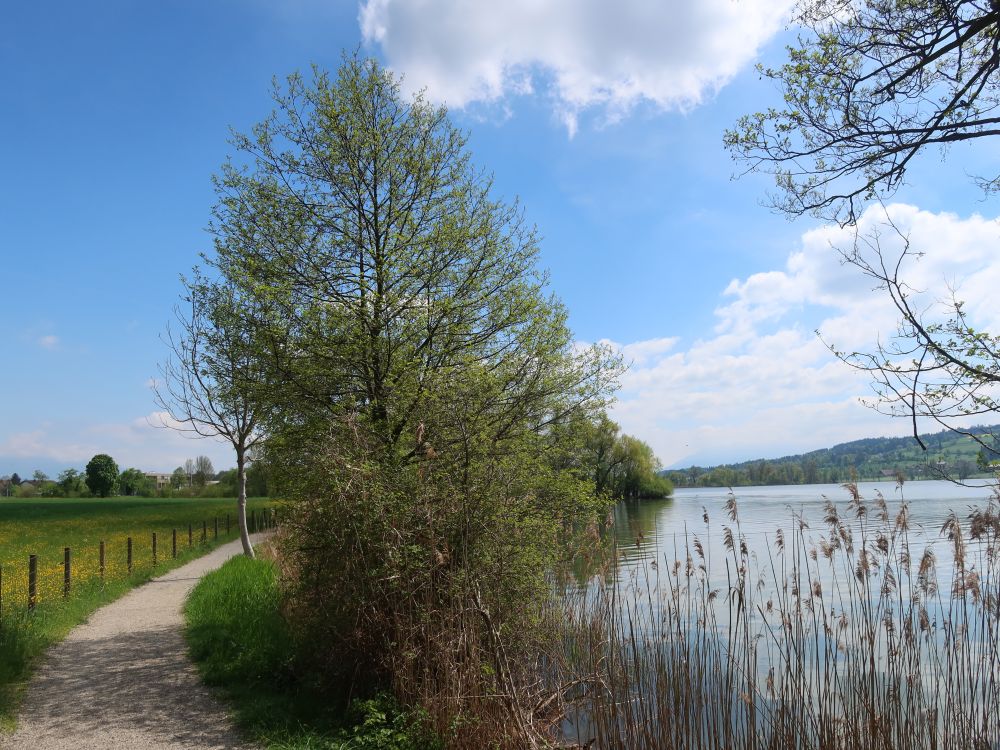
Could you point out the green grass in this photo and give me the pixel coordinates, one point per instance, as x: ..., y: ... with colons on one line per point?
x: 43, y: 527
x: 243, y: 645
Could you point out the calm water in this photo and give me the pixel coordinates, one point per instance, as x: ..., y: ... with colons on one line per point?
x: 657, y: 531
x: 652, y: 535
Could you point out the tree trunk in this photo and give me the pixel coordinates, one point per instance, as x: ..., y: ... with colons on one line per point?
x: 241, y: 503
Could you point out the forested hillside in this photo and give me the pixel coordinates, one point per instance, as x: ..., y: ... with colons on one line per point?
x: 948, y: 453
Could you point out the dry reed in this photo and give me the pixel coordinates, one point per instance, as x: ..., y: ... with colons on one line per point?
x: 849, y: 636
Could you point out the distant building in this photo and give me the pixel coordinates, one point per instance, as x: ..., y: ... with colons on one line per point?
x: 161, y: 480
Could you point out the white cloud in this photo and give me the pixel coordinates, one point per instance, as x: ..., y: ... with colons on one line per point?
x: 151, y: 443
x: 581, y: 53
x: 764, y: 384
x: 48, y: 342
x: 39, y: 444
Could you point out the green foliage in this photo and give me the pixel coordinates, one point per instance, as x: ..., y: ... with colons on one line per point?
x: 620, y: 466
x: 26, y: 489
x: 257, y: 480
x: 948, y: 454
x: 242, y: 643
x: 416, y: 362
x: 102, y: 475
x: 379, y: 723
x: 203, y: 470
x: 235, y: 627
x: 133, y: 482
x: 71, y: 483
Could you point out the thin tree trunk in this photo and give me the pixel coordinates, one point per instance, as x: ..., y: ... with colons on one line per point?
x: 241, y: 503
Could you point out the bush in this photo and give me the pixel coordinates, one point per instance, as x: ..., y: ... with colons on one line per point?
x: 409, y: 581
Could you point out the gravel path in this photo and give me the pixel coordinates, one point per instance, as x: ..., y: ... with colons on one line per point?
x: 123, y: 680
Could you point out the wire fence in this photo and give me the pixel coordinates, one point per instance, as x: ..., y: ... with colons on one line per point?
x: 52, y: 576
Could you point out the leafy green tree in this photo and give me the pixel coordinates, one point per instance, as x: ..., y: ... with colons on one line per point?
x: 102, y: 475
x: 15, y: 479
x: 179, y: 478
x: 619, y: 466
x: 133, y: 482
x: 635, y: 474
x: 416, y: 361
x: 364, y: 231
x: 257, y: 479
x: 70, y: 483
x: 26, y: 489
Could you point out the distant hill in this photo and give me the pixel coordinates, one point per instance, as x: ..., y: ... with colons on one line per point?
x: 871, y: 458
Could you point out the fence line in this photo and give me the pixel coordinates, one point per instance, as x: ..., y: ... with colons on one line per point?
x: 265, y: 520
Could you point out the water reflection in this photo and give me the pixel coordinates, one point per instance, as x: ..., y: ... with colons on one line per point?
x: 654, y: 532
x: 637, y: 526
x: 794, y: 617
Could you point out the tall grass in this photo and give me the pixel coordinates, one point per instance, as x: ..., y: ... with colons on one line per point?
x: 243, y: 644
x: 854, y: 635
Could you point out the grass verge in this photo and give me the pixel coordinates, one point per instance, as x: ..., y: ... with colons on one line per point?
x: 243, y: 645
x: 43, y: 527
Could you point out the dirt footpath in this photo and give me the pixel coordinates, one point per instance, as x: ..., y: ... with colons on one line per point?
x: 123, y: 680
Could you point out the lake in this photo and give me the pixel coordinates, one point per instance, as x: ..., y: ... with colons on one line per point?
x: 654, y: 530
x: 793, y: 616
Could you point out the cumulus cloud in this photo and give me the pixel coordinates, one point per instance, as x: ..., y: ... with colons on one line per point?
x: 150, y: 442
x: 48, y: 342
x: 39, y: 444
x: 581, y: 53
x: 764, y: 384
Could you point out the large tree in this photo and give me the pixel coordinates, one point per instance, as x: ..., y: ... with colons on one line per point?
x: 416, y: 362
x: 358, y: 221
x: 869, y: 85
x: 207, y: 385
x: 102, y: 475
x: 134, y: 482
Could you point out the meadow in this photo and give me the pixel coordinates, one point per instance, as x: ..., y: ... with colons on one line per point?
x: 45, y: 527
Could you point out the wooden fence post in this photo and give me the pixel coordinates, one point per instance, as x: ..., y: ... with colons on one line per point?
x: 128, y: 556
x: 190, y: 536
x: 67, y: 571
x: 173, y: 544
x: 154, y: 549
x: 32, y: 581
x: 204, y: 532
x: 216, y: 521
x: 101, y: 559
x: 227, y: 524
x: 253, y: 521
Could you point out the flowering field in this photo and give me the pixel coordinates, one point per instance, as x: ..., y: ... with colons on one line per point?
x: 44, y: 527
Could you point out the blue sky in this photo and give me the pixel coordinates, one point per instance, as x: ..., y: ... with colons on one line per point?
x: 606, y: 120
